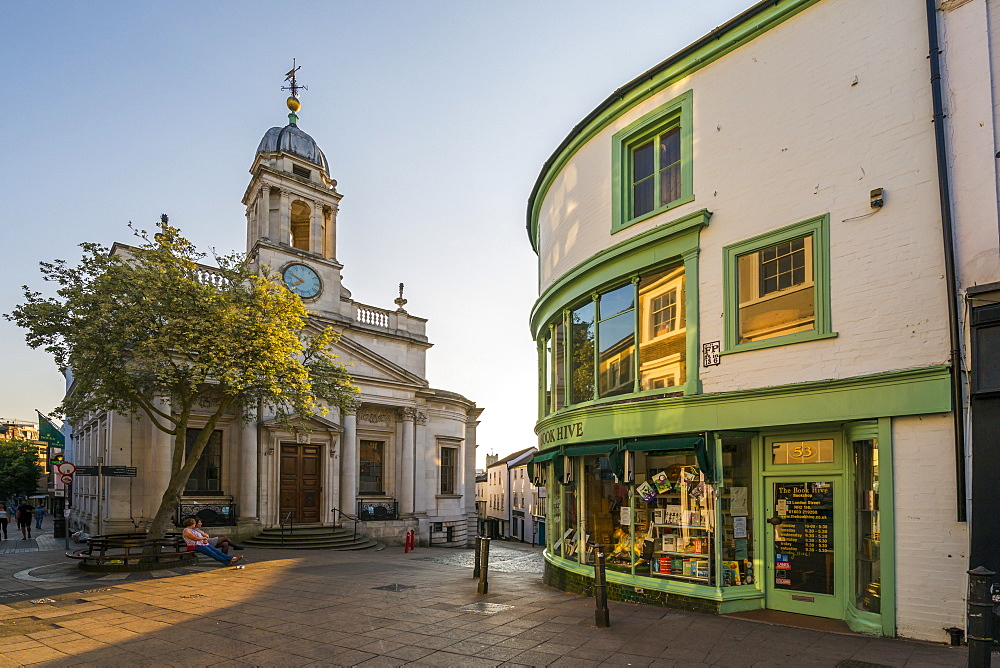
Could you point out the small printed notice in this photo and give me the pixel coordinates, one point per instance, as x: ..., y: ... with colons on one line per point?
x: 741, y: 549
x: 625, y: 516
x: 739, y: 527
x: 711, y: 353
x: 738, y: 501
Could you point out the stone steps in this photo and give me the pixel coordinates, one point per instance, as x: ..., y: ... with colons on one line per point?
x: 311, y: 537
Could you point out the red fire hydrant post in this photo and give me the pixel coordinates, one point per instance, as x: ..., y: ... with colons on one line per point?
x: 406, y: 543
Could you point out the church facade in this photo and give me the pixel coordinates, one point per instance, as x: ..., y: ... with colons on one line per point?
x: 402, y: 458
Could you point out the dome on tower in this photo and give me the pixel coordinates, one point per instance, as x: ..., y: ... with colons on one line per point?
x: 291, y: 139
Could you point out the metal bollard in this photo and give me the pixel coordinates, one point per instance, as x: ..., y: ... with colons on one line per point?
x: 479, y: 551
x: 601, y: 614
x: 484, y: 573
x: 980, y: 618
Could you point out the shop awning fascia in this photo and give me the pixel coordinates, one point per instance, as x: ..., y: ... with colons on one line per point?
x: 590, y: 449
x: 544, y: 456
x: 683, y: 443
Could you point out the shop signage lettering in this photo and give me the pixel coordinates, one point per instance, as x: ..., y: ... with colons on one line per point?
x: 559, y: 433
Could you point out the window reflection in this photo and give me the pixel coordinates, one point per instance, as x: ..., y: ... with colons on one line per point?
x: 776, y: 291
x: 616, y: 345
x: 559, y: 364
x: 662, y: 340
x: 582, y: 346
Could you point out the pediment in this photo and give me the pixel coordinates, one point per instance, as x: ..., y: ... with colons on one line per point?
x: 369, y: 366
x: 313, y: 422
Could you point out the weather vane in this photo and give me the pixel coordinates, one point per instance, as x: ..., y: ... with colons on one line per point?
x: 294, y: 88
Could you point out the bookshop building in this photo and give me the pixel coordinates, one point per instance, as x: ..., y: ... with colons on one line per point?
x: 744, y: 394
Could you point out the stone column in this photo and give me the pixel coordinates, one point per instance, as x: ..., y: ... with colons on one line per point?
x: 349, y: 460
x: 285, y: 218
x: 406, y: 490
x: 469, y: 474
x: 249, y: 472
x: 428, y: 478
x: 263, y: 213
x: 162, y: 449
x: 316, y: 227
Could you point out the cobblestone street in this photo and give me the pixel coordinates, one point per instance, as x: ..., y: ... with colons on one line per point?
x: 325, y: 608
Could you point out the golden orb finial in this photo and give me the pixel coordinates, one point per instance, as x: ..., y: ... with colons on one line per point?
x: 293, y: 104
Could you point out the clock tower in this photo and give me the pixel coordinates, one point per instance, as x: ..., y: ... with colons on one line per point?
x: 291, y: 207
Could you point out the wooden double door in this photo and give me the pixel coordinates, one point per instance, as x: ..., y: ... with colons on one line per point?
x: 301, y: 473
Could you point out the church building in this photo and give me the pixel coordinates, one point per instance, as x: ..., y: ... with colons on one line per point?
x: 401, y: 459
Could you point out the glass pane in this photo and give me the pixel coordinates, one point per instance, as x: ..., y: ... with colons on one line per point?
x: 566, y: 545
x: 802, y: 452
x: 603, y: 503
x: 370, y: 478
x: 868, y: 565
x: 616, y: 349
x: 776, y: 291
x: 670, y: 147
x: 803, y: 542
x: 737, y: 520
x: 674, y: 517
x: 670, y: 184
x: 617, y: 301
x: 662, y: 335
x: 553, y: 522
x: 642, y: 197
x: 207, y: 472
x: 559, y: 365
x: 582, y: 353
x: 547, y: 376
x: 642, y: 162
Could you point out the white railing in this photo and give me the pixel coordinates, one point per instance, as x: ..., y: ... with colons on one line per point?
x: 370, y: 315
x: 209, y: 276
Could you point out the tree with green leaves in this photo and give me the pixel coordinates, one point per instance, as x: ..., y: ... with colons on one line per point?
x: 149, y: 331
x: 19, y: 468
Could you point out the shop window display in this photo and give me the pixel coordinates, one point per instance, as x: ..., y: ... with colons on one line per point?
x: 737, y: 520
x: 867, y: 563
x: 566, y: 545
x: 607, y: 516
x: 675, y: 517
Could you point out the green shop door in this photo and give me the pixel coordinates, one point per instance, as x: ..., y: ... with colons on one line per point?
x: 806, y: 555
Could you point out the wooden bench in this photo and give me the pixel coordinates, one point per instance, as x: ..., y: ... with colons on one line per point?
x: 126, y: 553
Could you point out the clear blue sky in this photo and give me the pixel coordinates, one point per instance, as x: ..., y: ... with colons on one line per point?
x: 435, y: 117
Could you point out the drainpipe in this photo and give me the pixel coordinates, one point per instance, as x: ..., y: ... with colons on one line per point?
x: 948, y: 232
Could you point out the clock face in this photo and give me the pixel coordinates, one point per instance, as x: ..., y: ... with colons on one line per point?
x: 302, y: 280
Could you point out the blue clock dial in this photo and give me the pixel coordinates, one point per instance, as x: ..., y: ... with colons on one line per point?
x: 302, y: 280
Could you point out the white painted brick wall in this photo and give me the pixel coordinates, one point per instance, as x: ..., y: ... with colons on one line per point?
x: 931, y: 552
x: 781, y: 135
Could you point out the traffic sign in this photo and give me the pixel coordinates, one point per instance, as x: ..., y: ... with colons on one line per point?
x: 66, y: 468
x: 67, y: 479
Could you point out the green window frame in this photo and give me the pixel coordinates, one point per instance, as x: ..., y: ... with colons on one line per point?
x: 818, y: 230
x: 667, y: 125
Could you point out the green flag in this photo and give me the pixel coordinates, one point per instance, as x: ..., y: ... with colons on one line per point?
x: 47, y: 432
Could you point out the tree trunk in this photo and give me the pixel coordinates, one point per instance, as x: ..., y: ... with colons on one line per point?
x: 163, y: 519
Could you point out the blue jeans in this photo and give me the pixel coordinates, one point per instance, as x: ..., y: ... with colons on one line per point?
x: 214, y: 552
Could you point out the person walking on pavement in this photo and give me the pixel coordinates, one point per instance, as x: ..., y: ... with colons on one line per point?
x: 4, y: 519
x: 199, y: 539
x: 39, y: 514
x: 25, y: 511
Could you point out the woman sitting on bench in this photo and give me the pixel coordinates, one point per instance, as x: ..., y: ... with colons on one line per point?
x: 199, y: 540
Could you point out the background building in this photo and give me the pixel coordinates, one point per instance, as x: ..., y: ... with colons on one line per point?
x: 750, y: 332
x: 402, y: 458
x: 499, y: 494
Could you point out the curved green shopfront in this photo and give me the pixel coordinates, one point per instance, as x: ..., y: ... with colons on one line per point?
x: 743, y: 393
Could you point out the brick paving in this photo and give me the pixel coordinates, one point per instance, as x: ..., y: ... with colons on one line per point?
x: 291, y: 608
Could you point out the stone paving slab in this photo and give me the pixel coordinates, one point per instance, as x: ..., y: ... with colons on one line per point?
x: 294, y: 608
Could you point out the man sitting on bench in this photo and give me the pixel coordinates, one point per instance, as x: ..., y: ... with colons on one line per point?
x: 199, y: 540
